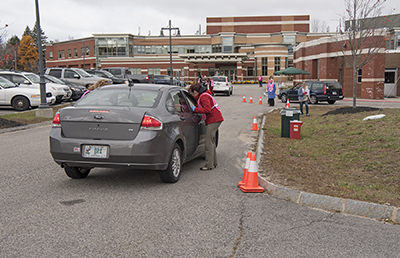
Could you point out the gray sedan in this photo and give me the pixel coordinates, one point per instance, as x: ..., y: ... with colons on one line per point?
x: 144, y: 126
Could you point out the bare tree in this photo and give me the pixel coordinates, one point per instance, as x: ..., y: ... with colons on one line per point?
x: 363, y: 35
x: 319, y: 26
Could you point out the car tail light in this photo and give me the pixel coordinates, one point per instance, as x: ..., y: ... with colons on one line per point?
x: 147, y: 78
x: 56, y: 120
x: 324, y: 88
x: 151, y: 123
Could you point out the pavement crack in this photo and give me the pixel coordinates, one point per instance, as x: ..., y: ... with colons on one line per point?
x: 241, y: 232
x: 314, y: 221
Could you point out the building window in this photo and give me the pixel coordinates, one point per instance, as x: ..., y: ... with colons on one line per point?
x: 211, y: 71
x: 154, y: 70
x: 250, y: 71
x: 286, y: 62
x: 81, y: 51
x: 359, y: 76
x: 51, y: 55
x: 227, y: 44
x: 264, y: 66
x: 62, y: 54
x: 69, y: 53
x: 75, y: 52
x: 59, y: 54
x: 136, y: 70
x: 277, y: 64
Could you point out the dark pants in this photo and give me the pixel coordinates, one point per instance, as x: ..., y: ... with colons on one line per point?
x: 260, y: 82
x: 271, y: 102
x: 301, y: 106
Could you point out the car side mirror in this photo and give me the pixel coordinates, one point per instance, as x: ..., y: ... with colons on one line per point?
x: 26, y: 82
x: 76, y: 76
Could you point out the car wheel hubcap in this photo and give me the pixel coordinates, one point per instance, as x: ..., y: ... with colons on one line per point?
x: 176, y: 163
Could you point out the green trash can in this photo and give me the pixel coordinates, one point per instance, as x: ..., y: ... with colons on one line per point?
x: 287, y: 115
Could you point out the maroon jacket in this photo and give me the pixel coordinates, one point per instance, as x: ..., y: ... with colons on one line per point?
x: 213, y: 114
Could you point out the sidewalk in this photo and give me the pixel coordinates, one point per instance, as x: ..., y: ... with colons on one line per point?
x: 328, y: 203
x: 389, y: 100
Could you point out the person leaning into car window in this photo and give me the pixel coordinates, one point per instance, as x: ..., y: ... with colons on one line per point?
x: 98, y: 84
x: 304, y: 96
x: 207, y: 105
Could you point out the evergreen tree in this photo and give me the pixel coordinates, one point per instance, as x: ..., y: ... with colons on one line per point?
x: 43, y: 38
x: 13, y: 41
x: 27, y: 31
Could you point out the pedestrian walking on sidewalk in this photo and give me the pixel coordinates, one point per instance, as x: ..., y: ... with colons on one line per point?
x: 260, y: 80
x: 271, y: 89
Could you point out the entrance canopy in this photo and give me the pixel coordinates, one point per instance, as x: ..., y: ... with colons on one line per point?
x: 214, y: 57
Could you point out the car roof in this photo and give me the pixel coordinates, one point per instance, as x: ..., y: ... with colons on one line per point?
x: 142, y: 86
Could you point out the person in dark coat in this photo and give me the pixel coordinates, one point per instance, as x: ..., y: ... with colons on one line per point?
x: 207, y: 105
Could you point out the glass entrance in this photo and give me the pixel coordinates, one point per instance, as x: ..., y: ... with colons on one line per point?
x: 390, y: 88
x: 229, y: 72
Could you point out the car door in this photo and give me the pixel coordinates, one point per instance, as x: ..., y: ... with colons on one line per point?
x: 3, y: 96
x: 293, y: 92
x: 72, y: 76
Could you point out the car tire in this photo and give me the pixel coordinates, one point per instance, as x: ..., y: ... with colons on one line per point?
x: 20, y: 103
x: 313, y: 99
x: 76, y: 172
x: 331, y: 101
x: 284, y: 98
x: 173, y: 171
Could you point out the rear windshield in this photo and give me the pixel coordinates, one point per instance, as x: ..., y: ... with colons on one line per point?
x: 333, y: 86
x: 219, y: 79
x: 119, y: 97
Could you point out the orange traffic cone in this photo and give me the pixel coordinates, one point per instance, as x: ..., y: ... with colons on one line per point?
x: 244, y: 99
x: 251, y: 99
x: 246, y: 169
x: 255, y: 127
x: 287, y: 103
x: 260, y: 102
x: 251, y: 185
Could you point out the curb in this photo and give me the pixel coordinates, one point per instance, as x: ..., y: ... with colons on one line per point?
x: 24, y: 127
x: 328, y: 203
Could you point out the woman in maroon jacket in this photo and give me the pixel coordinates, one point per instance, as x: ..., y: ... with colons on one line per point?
x: 207, y: 105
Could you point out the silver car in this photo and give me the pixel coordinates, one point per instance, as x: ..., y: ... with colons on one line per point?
x: 222, y: 85
x: 144, y: 126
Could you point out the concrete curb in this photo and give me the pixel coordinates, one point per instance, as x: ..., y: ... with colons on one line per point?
x: 328, y: 203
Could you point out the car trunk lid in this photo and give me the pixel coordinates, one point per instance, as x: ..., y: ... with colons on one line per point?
x: 116, y: 123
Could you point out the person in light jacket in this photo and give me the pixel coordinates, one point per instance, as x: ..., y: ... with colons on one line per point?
x: 271, y: 89
x: 304, y: 96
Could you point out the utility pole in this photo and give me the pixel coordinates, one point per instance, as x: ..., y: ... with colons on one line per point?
x: 170, y: 29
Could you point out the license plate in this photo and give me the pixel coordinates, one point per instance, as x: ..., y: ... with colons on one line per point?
x: 95, y: 151
x: 334, y: 93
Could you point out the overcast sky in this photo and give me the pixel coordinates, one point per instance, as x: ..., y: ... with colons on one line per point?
x: 67, y: 19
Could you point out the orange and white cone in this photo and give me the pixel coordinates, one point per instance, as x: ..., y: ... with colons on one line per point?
x: 260, y: 102
x: 244, y: 98
x: 246, y: 169
x: 251, y: 185
x: 251, y: 99
x: 287, y: 103
x: 255, y: 127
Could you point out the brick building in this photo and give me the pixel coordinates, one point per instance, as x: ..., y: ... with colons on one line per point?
x: 239, y: 47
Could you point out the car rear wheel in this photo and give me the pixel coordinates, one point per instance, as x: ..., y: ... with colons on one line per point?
x: 313, y: 100
x: 20, y: 103
x: 173, y: 171
x: 284, y: 98
x: 76, y: 172
x: 331, y: 101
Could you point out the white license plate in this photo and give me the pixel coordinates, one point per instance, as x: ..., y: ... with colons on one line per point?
x: 95, y: 151
x: 334, y: 93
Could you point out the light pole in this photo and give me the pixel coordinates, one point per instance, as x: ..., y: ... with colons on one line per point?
x: 170, y: 28
x: 84, y: 53
x: 43, y: 102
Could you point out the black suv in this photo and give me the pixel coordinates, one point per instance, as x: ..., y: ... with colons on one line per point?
x: 106, y: 74
x: 319, y: 91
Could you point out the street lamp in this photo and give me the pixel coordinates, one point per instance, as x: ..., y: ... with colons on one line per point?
x: 170, y: 28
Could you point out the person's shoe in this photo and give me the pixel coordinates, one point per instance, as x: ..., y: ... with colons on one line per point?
x: 205, y: 168
x: 307, y: 114
x: 302, y: 115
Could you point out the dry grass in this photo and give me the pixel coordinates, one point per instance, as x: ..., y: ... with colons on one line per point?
x: 338, y: 155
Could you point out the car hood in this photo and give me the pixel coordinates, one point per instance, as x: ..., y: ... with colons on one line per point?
x: 111, y: 123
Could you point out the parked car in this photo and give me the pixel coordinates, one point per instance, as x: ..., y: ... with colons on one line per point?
x: 74, y: 75
x: 77, y: 90
x: 145, y: 126
x: 108, y: 75
x: 320, y: 91
x: 125, y: 73
x: 21, y: 98
x: 31, y: 80
x: 222, y: 85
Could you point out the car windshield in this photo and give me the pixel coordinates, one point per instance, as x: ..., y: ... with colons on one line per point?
x: 219, y: 79
x: 109, y: 75
x: 33, y: 77
x: 83, y: 73
x: 333, y: 86
x: 54, y: 80
x: 6, y: 83
x: 109, y: 96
